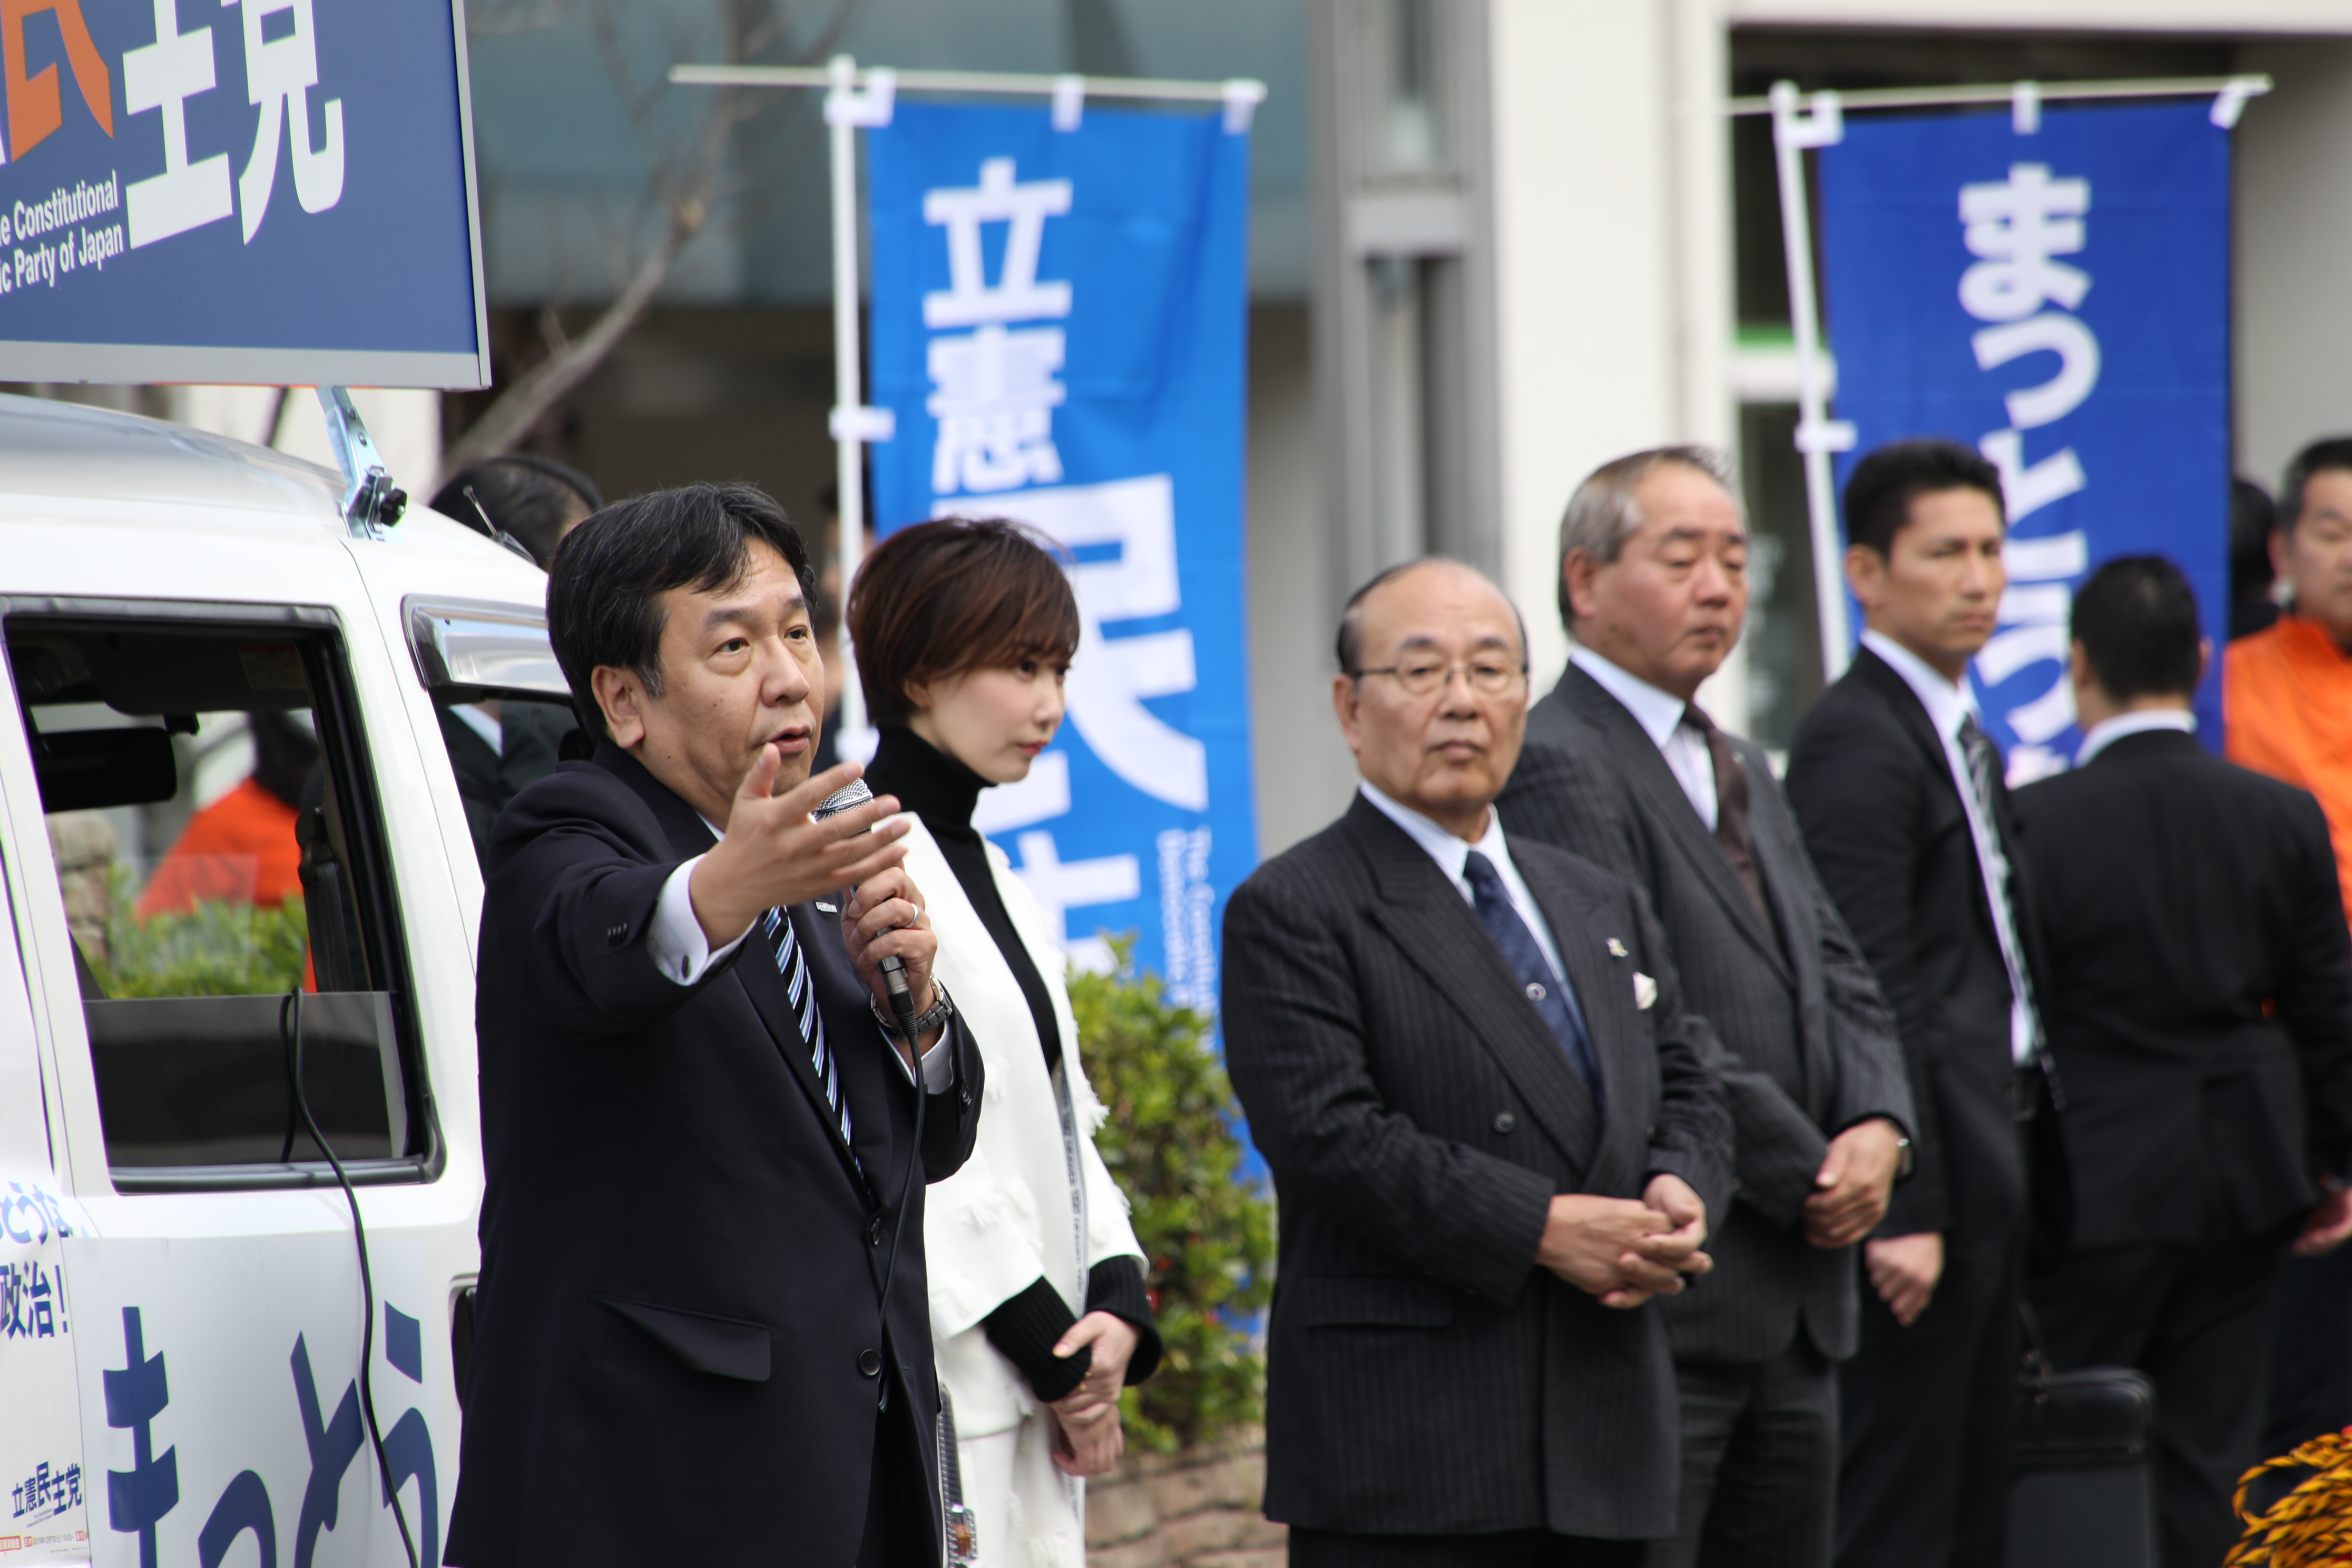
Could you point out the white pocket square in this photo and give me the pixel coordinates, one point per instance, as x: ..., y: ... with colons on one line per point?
x: 1645, y: 991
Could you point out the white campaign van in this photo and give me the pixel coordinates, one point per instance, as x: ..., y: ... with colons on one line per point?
x: 232, y: 834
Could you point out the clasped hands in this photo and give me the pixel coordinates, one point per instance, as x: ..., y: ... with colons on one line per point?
x: 776, y: 854
x: 1090, y: 1438
x: 1624, y: 1250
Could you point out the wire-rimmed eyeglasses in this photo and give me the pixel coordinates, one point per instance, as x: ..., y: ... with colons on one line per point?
x: 1428, y: 676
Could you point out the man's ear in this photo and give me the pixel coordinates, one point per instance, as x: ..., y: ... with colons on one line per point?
x: 2278, y: 543
x: 1865, y: 574
x: 1347, y: 702
x: 2204, y: 657
x: 622, y: 696
x: 2079, y: 672
x: 1577, y: 572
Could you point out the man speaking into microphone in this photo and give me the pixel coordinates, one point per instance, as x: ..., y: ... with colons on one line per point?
x: 697, y: 1339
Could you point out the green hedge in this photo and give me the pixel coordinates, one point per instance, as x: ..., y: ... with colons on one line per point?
x: 221, y: 947
x: 1208, y: 1239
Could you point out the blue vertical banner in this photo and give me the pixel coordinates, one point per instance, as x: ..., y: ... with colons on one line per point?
x: 1058, y: 324
x: 2057, y: 298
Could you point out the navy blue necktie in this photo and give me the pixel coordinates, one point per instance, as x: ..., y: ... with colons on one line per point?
x: 1550, y: 995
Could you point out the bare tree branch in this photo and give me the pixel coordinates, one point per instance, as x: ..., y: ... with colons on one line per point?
x: 685, y: 174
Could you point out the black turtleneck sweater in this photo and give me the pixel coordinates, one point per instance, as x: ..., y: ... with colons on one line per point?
x: 943, y: 792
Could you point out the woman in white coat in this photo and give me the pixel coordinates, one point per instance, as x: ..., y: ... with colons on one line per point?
x: 965, y: 631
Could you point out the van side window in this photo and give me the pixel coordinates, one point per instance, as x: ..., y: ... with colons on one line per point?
x: 222, y: 865
x: 505, y: 711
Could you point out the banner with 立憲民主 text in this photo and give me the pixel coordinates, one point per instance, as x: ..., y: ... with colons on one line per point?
x: 2055, y: 294
x: 1058, y: 321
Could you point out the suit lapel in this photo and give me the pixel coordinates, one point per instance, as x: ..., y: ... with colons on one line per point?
x: 1911, y: 714
x: 1660, y: 794
x: 1427, y: 917
x: 754, y: 966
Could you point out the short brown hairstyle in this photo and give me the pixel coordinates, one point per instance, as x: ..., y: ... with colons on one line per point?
x: 941, y: 598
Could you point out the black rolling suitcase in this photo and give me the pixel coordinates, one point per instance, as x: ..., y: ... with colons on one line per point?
x: 2083, y: 1487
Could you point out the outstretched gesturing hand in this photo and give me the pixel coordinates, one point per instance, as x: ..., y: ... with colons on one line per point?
x: 775, y: 854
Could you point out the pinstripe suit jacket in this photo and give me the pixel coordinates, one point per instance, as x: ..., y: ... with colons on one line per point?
x: 1802, y: 1041
x: 1423, y: 1376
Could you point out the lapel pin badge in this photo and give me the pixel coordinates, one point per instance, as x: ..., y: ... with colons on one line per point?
x: 1616, y: 948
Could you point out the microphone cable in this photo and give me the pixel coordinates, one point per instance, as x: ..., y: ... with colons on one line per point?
x: 856, y: 791
x: 902, y: 1003
x: 293, y: 1004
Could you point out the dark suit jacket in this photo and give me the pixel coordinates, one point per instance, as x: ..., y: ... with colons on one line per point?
x: 1423, y: 1375
x: 1882, y: 820
x: 2201, y: 996
x: 681, y: 1263
x: 1801, y: 1041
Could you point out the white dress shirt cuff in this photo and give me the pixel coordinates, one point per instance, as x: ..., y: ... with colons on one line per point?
x: 938, y: 1065
x: 680, y: 950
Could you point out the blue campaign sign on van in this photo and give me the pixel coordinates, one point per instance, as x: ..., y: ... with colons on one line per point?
x: 1058, y: 330
x: 262, y: 191
x: 2057, y: 297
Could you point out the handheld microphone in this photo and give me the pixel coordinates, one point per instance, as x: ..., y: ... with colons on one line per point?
x: 902, y: 1004
x: 894, y: 968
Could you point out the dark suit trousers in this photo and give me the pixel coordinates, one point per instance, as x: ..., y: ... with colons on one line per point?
x: 899, y: 1527
x: 1759, y: 1463
x: 2310, y: 1352
x: 1925, y: 1416
x: 2193, y: 1317
x: 1514, y: 1549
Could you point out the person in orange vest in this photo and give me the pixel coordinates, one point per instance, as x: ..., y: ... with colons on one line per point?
x: 2286, y: 707
x: 242, y: 846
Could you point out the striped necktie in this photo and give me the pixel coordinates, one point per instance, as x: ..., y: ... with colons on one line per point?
x: 791, y: 963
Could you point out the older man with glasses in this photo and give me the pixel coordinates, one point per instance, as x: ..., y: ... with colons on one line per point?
x: 1466, y: 1060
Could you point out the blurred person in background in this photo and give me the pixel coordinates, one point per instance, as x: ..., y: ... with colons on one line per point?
x: 537, y: 500
x: 1624, y: 768
x: 2253, y: 576
x: 497, y: 748
x: 242, y: 848
x: 965, y: 631
x: 2286, y: 698
x: 1905, y: 813
x: 2199, y: 999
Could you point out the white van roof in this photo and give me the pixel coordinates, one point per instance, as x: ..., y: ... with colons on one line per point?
x: 66, y: 452
x: 68, y: 462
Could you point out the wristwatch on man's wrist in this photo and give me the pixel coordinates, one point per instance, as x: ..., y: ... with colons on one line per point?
x: 940, y: 1012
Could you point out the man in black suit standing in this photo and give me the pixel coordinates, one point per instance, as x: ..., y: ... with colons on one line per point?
x: 1904, y: 812
x: 697, y: 1127
x: 1625, y: 769
x: 2200, y: 1009
x: 1467, y: 1062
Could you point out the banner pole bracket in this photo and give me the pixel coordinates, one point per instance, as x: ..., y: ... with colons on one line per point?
x: 370, y: 503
